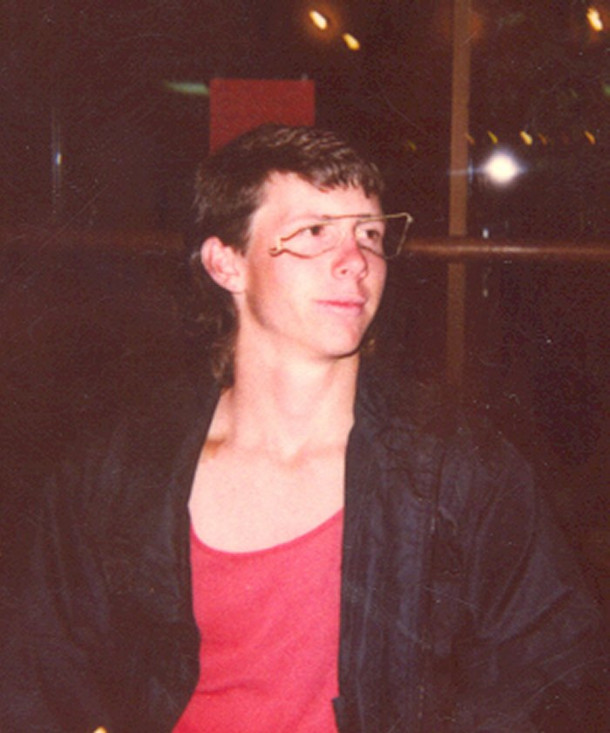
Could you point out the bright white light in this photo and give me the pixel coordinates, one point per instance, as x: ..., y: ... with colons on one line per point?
x: 502, y: 168
x: 319, y: 20
x: 595, y: 19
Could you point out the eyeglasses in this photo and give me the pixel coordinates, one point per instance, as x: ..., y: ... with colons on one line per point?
x: 382, y: 235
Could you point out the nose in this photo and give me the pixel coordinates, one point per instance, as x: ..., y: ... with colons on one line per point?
x: 349, y: 258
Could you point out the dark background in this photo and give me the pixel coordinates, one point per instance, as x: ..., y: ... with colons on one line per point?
x: 92, y: 74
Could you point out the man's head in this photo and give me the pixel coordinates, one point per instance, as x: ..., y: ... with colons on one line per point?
x: 229, y: 183
x: 229, y: 190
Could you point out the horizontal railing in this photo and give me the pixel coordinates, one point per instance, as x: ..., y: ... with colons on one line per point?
x: 450, y: 249
x: 458, y: 249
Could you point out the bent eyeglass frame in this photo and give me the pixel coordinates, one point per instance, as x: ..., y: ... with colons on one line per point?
x: 370, y: 232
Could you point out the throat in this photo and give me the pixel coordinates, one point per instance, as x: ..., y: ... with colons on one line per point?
x: 291, y: 414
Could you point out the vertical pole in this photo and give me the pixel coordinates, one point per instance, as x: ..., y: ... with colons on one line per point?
x: 458, y: 189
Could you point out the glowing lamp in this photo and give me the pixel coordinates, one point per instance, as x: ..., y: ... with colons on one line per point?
x: 352, y: 43
x: 319, y: 20
x: 502, y: 168
x: 595, y: 19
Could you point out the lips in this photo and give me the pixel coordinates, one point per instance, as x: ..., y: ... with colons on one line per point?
x: 348, y: 305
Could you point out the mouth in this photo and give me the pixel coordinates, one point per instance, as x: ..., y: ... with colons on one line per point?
x: 347, y: 306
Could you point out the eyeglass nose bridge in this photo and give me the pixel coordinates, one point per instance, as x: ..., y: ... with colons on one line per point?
x: 345, y: 227
x: 342, y: 227
x: 348, y: 231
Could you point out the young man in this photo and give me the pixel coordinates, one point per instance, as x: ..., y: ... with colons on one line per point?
x: 299, y: 545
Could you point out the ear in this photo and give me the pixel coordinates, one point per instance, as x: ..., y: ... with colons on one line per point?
x: 223, y: 264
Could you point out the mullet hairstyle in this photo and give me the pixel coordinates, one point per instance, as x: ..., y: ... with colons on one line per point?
x: 228, y: 191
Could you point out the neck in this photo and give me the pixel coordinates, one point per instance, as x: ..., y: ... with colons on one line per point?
x: 291, y: 408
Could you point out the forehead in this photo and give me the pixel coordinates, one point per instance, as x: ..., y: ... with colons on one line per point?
x: 287, y: 196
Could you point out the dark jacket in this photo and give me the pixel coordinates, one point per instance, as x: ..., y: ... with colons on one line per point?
x: 462, y: 609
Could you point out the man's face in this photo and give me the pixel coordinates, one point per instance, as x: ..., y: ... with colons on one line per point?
x: 318, y: 307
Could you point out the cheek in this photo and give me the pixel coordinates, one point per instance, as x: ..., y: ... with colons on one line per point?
x: 260, y: 278
x: 377, y: 277
x: 269, y: 288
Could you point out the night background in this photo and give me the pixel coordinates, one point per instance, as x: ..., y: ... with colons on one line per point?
x: 105, y: 114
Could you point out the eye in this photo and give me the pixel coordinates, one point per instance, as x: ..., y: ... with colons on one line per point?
x: 370, y: 235
x: 315, y: 230
x: 374, y: 235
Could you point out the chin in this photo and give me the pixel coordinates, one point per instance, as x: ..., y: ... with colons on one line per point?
x: 344, y: 350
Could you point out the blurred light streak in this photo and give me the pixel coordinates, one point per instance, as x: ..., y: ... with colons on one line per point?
x: 352, y: 43
x: 543, y: 138
x: 590, y: 137
x: 492, y: 137
x: 595, y: 19
x: 192, y: 88
x: 526, y: 137
x: 319, y: 20
x: 470, y: 139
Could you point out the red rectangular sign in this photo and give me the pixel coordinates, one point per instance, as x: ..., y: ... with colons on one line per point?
x: 238, y: 105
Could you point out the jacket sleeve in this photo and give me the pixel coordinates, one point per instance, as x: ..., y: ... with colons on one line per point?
x: 53, y: 617
x: 532, y: 656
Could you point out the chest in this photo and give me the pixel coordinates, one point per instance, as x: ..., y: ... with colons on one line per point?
x: 242, y: 500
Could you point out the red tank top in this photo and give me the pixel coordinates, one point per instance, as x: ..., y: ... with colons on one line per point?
x: 269, y: 625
